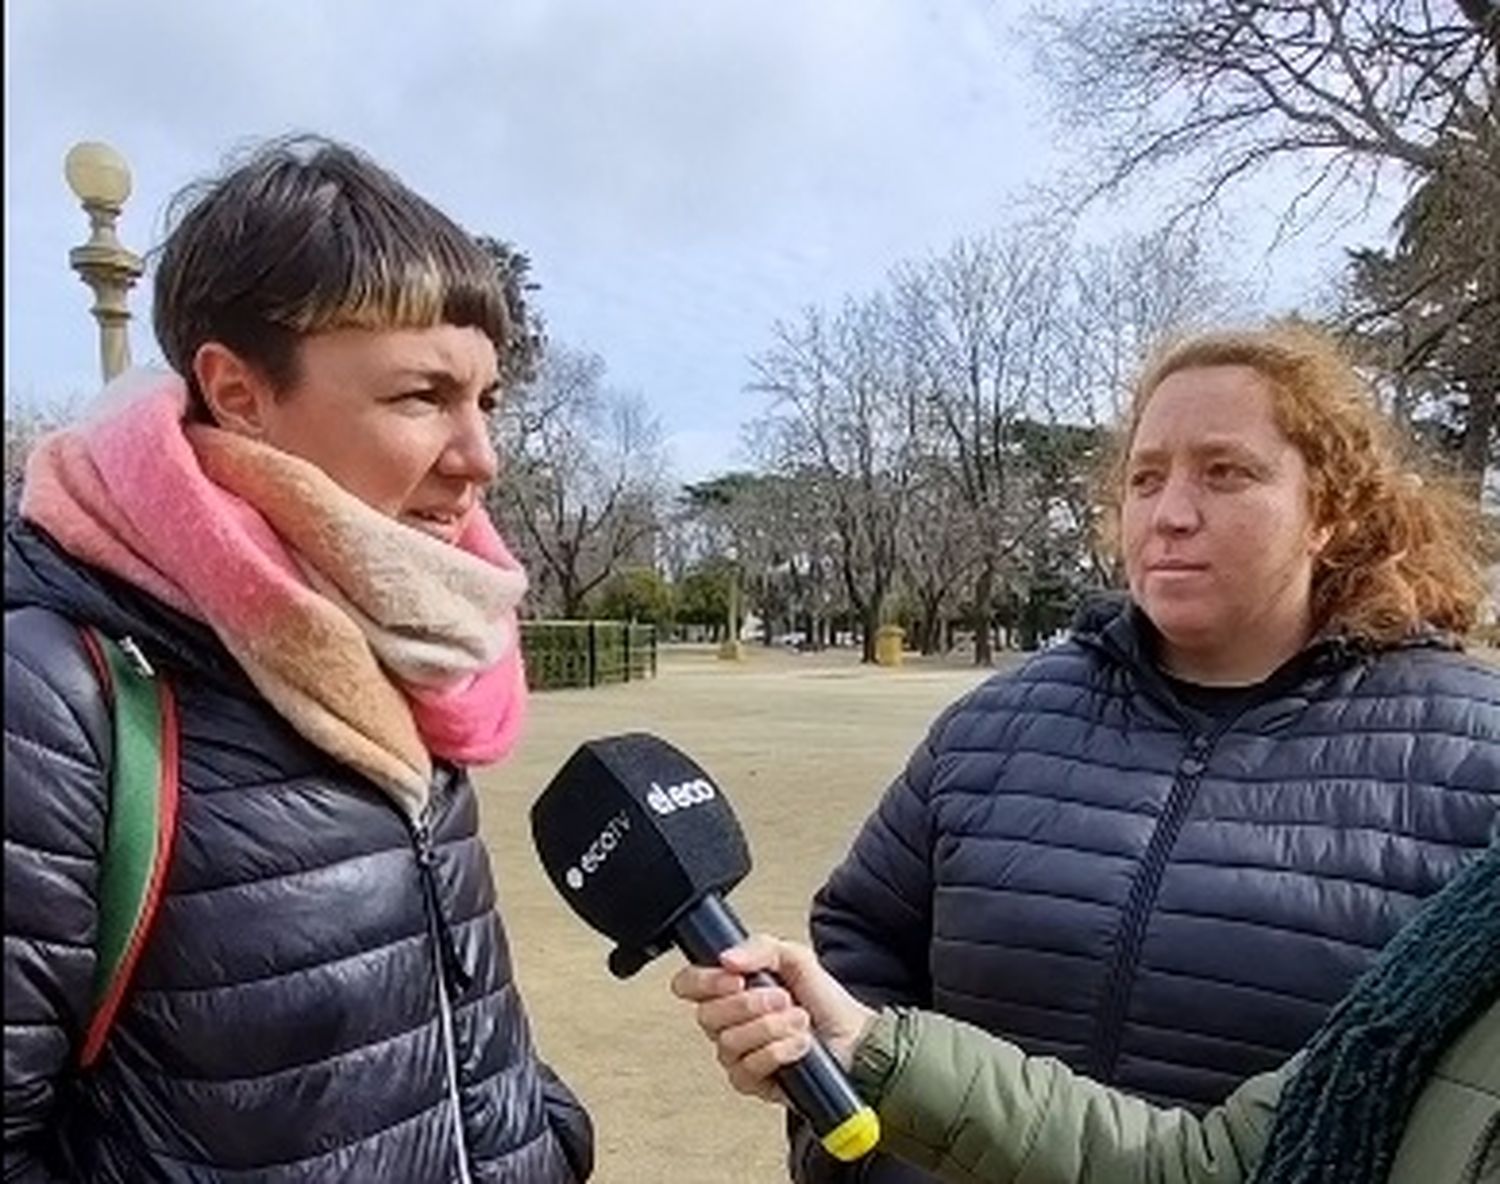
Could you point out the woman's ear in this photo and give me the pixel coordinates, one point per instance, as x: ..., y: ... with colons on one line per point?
x: 236, y: 395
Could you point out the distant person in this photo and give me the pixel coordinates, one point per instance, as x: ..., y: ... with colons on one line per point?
x: 1162, y: 850
x: 288, y: 534
x: 1400, y: 1085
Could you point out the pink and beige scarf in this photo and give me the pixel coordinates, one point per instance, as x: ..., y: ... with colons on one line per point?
x: 380, y: 644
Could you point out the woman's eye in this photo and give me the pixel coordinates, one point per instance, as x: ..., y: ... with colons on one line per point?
x: 1225, y: 472
x: 418, y: 401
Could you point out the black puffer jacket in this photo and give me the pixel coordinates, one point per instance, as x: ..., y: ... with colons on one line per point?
x: 1166, y: 904
x: 286, y: 1022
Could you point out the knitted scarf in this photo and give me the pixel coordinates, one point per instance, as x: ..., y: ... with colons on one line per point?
x: 380, y: 644
x: 1341, y: 1116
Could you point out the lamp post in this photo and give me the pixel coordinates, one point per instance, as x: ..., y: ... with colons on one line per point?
x: 100, y: 178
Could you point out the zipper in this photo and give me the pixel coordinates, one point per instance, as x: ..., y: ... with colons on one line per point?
x: 1190, y: 769
x: 1326, y: 654
x: 447, y: 963
x: 133, y: 654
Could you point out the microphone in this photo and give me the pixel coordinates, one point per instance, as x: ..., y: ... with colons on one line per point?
x: 642, y: 844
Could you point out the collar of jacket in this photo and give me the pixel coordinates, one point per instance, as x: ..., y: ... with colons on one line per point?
x: 38, y: 572
x: 1118, y: 628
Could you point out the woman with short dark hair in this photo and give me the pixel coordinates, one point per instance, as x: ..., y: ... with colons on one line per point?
x: 287, y: 538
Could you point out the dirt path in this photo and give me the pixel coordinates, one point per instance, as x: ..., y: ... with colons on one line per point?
x: 803, y: 745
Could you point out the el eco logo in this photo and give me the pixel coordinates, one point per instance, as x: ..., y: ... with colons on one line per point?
x: 680, y: 796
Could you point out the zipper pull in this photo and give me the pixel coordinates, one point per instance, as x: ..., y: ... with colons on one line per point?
x: 137, y: 659
x: 423, y: 839
x: 457, y: 974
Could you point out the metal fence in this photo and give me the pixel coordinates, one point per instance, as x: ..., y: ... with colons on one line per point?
x: 562, y: 654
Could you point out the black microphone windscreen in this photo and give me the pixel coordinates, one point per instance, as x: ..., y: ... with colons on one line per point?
x: 632, y: 832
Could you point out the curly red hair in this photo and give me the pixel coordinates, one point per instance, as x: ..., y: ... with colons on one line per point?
x: 1406, y: 547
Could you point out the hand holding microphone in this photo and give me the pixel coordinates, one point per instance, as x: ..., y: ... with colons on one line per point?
x: 643, y: 846
x: 760, y: 1029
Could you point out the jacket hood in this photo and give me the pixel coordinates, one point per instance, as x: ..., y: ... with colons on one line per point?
x: 40, y: 574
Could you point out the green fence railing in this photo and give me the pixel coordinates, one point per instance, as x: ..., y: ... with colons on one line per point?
x: 562, y: 654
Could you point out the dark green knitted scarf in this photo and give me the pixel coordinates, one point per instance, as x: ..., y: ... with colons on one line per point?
x: 1341, y: 1116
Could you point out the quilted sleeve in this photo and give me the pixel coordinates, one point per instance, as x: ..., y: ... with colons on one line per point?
x: 56, y: 750
x: 969, y: 1107
x: 872, y: 920
x: 871, y: 925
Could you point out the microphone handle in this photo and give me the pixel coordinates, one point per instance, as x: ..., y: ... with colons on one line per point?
x: 816, y: 1085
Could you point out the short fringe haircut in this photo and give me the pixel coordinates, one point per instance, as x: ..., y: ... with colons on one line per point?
x: 303, y: 236
x: 1407, y: 546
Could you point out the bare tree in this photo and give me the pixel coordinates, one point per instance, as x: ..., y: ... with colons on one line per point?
x: 1348, y: 90
x: 581, y: 475
x: 1126, y: 297
x: 1232, y: 85
x: 947, y: 432
x: 978, y: 326
x: 938, y: 554
x: 808, y: 566
x: 838, y: 419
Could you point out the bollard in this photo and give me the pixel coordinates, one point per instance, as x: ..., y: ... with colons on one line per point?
x: 888, y: 639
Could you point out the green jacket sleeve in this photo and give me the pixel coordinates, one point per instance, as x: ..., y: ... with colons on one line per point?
x: 968, y: 1107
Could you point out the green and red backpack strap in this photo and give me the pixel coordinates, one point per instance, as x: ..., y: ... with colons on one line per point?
x: 141, y: 825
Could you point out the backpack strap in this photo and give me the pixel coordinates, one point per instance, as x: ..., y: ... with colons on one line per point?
x: 141, y: 826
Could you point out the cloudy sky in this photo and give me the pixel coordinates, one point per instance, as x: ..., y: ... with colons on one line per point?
x: 682, y: 173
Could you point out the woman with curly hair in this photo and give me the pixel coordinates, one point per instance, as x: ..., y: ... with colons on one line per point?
x: 1161, y: 851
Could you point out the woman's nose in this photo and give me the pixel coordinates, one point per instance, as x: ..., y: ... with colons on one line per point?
x: 471, y: 453
x: 1177, y: 506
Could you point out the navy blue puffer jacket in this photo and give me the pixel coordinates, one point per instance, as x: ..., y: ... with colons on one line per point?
x: 294, y: 1017
x: 1166, y: 903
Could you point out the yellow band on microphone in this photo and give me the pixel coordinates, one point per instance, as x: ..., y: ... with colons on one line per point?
x: 855, y: 1136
